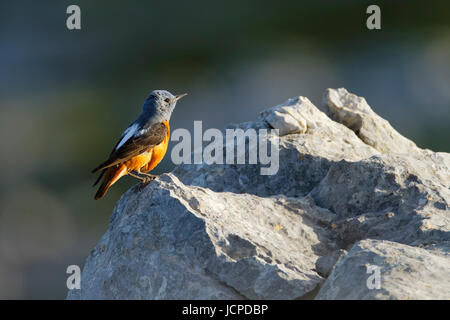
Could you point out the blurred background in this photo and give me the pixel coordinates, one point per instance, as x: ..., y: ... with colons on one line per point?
x: 66, y: 96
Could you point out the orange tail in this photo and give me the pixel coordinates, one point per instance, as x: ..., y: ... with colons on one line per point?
x: 112, y: 175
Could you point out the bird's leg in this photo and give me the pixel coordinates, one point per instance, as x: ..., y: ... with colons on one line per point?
x: 152, y: 176
x: 145, y: 180
x: 136, y: 176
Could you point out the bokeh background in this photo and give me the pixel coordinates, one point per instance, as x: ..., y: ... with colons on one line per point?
x: 66, y: 96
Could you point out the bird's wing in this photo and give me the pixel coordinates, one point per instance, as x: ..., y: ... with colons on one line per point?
x: 133, y: 142
x: 132, y: 127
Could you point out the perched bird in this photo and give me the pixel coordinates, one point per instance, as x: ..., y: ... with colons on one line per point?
x: 142, y: 145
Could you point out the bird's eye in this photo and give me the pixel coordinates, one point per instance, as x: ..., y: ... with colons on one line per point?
x: 167, y: 100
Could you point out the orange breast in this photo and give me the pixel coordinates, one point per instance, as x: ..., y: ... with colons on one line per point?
x: 137, y: 162
x: 157, y: 152
x: 148, y: 160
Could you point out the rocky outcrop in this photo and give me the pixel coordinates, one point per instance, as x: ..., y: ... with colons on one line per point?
x: 405, y: 272
x: 350, y: 193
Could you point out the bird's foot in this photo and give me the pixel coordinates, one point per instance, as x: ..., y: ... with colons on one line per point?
x: 146, y: 181
x: 150, y: 176
x: 143, y: 184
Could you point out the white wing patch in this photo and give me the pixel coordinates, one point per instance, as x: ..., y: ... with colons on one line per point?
x: 142, y: 131
x: 127, y: 134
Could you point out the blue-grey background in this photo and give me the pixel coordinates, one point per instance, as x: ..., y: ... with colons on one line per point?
x: 66, y: 96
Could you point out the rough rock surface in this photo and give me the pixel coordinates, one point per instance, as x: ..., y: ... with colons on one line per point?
x: 227, y: 232
x: 406, y: 272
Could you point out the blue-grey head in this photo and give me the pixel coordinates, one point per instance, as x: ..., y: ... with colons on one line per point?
x: 160, y: 104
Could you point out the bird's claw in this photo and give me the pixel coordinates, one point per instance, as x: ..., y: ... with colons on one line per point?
x: 146, y: 181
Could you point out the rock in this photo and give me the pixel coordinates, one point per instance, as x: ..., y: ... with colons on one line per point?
x: 405, y: 273
x: 224, y: 231
x: 305, y: 157
x: 385, y: 197
x: 208, y: 245
x: 325, y: 263
x: 354, y: 112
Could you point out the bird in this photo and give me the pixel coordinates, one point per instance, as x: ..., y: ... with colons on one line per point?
x: 142, y: 145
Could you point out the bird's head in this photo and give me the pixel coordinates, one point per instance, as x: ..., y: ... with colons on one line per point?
x: 161, y: 103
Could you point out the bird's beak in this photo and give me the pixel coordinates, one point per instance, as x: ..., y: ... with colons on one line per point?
x: 178, y: 97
